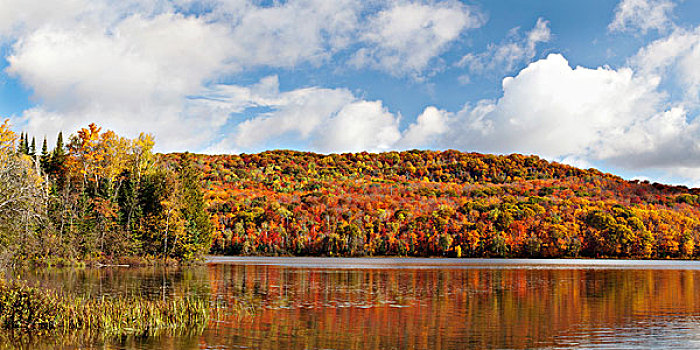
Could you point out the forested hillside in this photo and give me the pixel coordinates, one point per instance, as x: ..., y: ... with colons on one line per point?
x: 424, y: 203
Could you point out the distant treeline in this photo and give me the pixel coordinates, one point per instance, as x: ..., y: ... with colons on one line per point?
x: 425, y: 203
x: 99, y: 196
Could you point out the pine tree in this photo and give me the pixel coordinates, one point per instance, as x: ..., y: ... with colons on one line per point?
x: 32, y: 148
x: 45, y: 158
x: 57, y: 168
x: 59, y: 153
x: 59, y: 145
x: 25, y: 144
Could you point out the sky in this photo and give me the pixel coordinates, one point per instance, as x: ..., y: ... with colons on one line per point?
x: 608, y: 84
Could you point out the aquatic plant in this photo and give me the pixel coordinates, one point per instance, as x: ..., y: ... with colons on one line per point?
x: 28, y: 308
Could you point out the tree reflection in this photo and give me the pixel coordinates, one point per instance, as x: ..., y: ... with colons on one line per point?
x: 439, y: 308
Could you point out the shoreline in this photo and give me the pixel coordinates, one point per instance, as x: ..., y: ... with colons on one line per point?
x: 450, y: 263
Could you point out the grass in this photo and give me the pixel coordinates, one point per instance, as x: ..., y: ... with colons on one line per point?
x: 26, y: 308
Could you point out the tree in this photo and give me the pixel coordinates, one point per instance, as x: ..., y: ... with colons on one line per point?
x: 23, y: 147
x: 160, y: 221
x: 58, y: 150
x: 199, y: 228
x: 56, y: 167
x: 22, y: 199
x: 32, y: 148
x: 45, y: 158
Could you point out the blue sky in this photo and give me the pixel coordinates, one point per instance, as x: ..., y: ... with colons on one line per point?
x: 606, y: 84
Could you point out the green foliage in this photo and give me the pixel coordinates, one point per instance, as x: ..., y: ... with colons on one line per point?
x: 101, y: 197
x: 198, y: 226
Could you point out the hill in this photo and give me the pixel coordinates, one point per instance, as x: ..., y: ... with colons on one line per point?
x: 425, y: 203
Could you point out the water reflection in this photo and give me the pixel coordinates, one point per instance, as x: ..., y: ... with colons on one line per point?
x: 148, y: 282
x: 316, y: 307
x: 446, y: 308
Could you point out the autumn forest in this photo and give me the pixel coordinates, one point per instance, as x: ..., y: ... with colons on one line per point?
x: 98, y: 196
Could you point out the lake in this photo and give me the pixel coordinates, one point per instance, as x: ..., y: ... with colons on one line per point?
x: 394, y: 303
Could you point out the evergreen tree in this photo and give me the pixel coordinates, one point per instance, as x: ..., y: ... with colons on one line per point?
x: 59, y: 145
x: 32, y: 148
x: 57, y: 161
x: 25, y: 144
x: 45, y: 158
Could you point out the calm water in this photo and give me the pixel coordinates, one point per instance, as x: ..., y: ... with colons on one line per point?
x: 318, y: 303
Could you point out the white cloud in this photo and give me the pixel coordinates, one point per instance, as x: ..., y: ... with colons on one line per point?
x: 674, y: 58
x: 554, y: 110
x: 505, y: 56
x: 396, y: 36
x: 576, y: 161
x: 406, y: 37
x: 137, y: 66
x: 292, y: 32
x: 134, y: 78
x: 359, y: 126
x: 430, y: 124
x: 300, y: 112
x: 642, y: 16
x: 283, y: 34
x: 325, y: 120
x: 21, y: 15
x: 18, y: 17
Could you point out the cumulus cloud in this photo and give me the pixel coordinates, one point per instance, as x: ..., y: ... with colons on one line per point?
x: 396, y: 36
x: 359, y: 126
x: 404, y: 38
x: 642, y: 16
x: 583, y: 107
x: 554, y: 110
x: 137, y: 76
x: 300, y: 112
x: 429, y: 125
x: 514, y: 50
x: 21, y: 15
x: 324, y: 120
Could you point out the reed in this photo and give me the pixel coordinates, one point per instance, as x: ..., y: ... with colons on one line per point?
x: 23, y: 307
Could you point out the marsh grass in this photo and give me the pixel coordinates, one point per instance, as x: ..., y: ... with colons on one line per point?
x: 20, y: 340
x: 38, y: 310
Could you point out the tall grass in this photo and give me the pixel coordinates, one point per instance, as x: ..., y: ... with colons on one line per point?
x: 23, y: 307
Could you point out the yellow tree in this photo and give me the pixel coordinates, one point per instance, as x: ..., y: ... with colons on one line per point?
x: 7, y: 138
x: 100, y: 157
